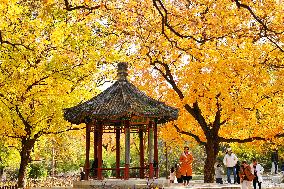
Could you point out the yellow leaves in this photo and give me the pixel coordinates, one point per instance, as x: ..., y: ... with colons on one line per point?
x: 231, y: 66
x: 59, y: 70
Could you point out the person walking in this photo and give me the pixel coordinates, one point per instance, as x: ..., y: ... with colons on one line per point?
x: 230, y: 160
x: 274, y: 161
x: 218, y: 172
x: 246, y: 175
x: 186, y: 165
x: 257, y: 170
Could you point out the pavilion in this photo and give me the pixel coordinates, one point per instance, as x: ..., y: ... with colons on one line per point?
x: 122, y: 108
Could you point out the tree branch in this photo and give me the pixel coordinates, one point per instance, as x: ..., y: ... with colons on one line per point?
x: 279, y: 135
x: 260, y: 21
x: 217, y: 120
x: 190, y: 134
x: 168, y: 76
x: 222, y: 139
x: 69, y: 7
x: 164, y: 14
x: 36, y: 83
x: 58, y: 132
x: 25, y: 122
x: 15, y: 45
x: 239, y: 5
x: 195, y: 110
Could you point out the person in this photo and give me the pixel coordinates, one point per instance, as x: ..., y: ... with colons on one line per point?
x: 218, y: 172
x: 274, y: 161
x: 94, y: 167
x: 282, y: 167
x: 257, y: 170
x: 172, y: 175
x: 238, y: 167
x: 82, y: 174
x: 186, y: 165
x: 178, y: 174
x: 246, y: 175
x: 230, y: 160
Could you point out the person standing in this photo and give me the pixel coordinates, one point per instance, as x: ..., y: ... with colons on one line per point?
x: 230, y: 160
x: 238, y: 168
x: 186, y: 165
x: 218, y: 172
x: 257, y: 170
x: 178, y: 174
x: 282, y: 167
x: 274, y: 160
x: 172, y: 175
x: 82, y: 174
x: 246, y: 175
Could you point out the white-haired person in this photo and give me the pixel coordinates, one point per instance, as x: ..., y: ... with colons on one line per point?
x: 230, y: 160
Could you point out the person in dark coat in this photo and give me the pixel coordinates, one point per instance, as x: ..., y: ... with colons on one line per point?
x: 274, y: 160
x: 238, y: 168
x: 82, y: 174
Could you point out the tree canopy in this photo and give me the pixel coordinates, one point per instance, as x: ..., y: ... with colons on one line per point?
x: 221, y: 63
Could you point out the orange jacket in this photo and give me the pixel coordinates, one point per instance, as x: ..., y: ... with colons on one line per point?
x: 186, y: 164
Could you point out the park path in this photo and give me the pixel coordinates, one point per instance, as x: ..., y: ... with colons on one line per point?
x: 270, y: 182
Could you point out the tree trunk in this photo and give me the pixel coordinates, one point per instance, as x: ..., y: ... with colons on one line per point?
x: 212, y: 148
x: 25, y: 157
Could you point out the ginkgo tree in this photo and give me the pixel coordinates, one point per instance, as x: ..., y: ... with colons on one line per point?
x: 49, y: 59
x: 221, y: 63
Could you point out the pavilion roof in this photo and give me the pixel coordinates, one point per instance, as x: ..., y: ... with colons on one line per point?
x: 120, y: 100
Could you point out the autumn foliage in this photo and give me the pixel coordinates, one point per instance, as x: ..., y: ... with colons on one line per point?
x: 219, y: 62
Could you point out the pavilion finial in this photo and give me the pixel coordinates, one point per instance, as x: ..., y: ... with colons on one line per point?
x: 122, y: 70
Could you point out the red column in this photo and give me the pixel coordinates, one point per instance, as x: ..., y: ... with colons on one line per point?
x: 156, y: 159
x: 127, y: 149
x: 87, y: 160
x: 100, y: 151
x: 150, y: 146
x: 95, y: 150
x: 117, y: 150
x: 141, y: 149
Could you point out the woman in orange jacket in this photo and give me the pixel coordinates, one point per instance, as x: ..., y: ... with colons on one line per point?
x: 186, y: 165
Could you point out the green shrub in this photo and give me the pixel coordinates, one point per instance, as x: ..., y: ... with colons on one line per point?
x: 37, y: 170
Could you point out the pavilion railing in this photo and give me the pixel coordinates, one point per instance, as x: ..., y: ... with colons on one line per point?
x: 8, y: 185
x: 134, y: 171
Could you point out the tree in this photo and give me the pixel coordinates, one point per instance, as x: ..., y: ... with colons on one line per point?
x: 49, y: 59
x: 220, y: 62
